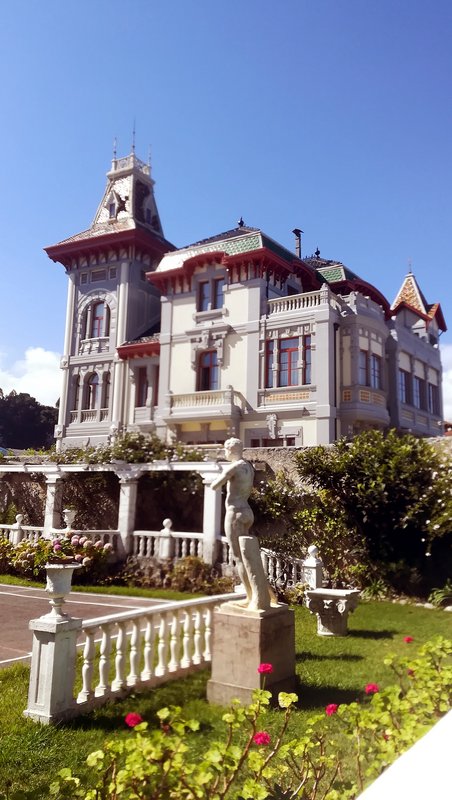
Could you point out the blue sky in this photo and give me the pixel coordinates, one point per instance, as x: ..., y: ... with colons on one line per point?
x: 334, y: 116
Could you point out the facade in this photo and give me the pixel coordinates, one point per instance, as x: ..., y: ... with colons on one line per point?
x: 233, y: 335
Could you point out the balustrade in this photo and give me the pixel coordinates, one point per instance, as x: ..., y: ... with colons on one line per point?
x: 136, y: 648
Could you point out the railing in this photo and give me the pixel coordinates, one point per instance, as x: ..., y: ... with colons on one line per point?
x: 98, y: 345
x: 146, y: 544
x: 122, y: 653
x: 226, y: 397
x: 18, y: 532
x: 294, y: 302
x: 88, y: 415
x: 290, y: 571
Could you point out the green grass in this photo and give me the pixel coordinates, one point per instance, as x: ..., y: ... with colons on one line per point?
x: 122, y: 591
x: 330, y: 670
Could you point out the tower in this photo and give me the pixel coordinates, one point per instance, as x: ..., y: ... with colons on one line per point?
x: 109, y: 301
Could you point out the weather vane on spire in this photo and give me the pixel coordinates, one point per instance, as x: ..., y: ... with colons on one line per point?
x: 115, y: 144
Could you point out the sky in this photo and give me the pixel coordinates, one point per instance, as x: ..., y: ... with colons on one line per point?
x: 333, y: 116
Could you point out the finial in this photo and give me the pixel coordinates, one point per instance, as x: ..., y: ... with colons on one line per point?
x: 133, y: 138
x: 240, y: 223
x: 115, y: 144
x: 317, y: 253
x: 410, y: 264
x: 149, y: 158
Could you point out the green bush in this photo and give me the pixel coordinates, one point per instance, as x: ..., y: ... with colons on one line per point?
x: 339, y: 753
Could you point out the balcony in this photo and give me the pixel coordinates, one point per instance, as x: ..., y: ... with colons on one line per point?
x: 294, y: 303
x: 204, y: 405
x: 100, y: 344
x: 286, y: 396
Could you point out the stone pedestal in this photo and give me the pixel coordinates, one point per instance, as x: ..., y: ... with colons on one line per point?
x: 242, y: 640
x: 332, y: 607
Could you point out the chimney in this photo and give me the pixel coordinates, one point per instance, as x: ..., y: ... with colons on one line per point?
x: 297, y: 233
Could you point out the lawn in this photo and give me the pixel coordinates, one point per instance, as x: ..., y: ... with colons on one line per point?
x: 330, y: 670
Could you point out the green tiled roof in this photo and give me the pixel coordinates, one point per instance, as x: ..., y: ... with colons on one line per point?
x: 280, y: 251
x: 241, y: 245
x: 336, y: 272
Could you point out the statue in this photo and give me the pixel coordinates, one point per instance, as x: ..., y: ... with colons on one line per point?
x: 239, y: 517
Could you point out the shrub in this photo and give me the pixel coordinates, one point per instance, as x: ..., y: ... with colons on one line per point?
x: 28, y: 559
x: 339, y: 753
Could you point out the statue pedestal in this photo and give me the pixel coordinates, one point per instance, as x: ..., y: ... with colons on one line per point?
x: 242, y: 640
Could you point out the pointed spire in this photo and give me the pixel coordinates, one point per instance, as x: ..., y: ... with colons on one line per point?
x: 115, y: 145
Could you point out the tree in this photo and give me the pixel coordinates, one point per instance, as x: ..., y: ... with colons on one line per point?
x: 25, y: 423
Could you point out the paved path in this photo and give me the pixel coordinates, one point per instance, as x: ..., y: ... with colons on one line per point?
x: 20, y: 604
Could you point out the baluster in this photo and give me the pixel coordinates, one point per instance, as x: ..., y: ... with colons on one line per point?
x: 149, y: 636
x: 162, y: 647
x: 207, y: 655
x: 174, y: 643
x: 184, y: 548
x: 186, y: 639
x: 141, y: 546
x: 120, y: 659
x: 86, y: 692
x: 197, y: 638
x: 192, y: 543
x: 104, y: 662
x: 135, y: 651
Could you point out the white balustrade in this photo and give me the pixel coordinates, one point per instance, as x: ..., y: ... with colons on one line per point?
x: 146, y: 544
x: 140, y: 649
x: 295, y: 302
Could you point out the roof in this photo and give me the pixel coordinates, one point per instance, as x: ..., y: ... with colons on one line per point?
x: 410, y: 296
x: 343, y: 280
x: 233, y: 242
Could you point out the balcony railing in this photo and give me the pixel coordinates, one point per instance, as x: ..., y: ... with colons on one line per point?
x: 294, y: 302
x: 197, y: 402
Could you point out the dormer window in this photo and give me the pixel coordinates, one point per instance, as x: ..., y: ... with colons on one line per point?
x: 148, y: 216
x: 112, y: 210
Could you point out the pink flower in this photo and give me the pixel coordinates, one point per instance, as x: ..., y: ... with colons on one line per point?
x: 57, y: 547
x: 408, y: 639
x: 108, y: 547
x: 75, y: 541
x: 87, y: 545
x: 78, y: 557
x: 131, y: 719
x: 87, y: 561
x: 331, y: 709
x: 98, y: 545
x: 55, y: 542
x: 261, y: 737
x: 265, y: 669
x: 372, y: 688
x: 82, y: 540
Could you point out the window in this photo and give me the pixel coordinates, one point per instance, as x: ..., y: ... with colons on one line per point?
x: 288, y: 362
x: 96, y: 321
x: 208, y: 373
x: 307, y: 371
x: 91, y: 391
x: 142, y: 387
x: 106, y: 391
x: 210, y: 294
x: 269, y: 353
x: 404, y: 386
x: 112, y: 210
x: 76, y: 393
x: 98, y: 275
x: 433, y: 399
x: 375, y: 371
x: 287, y: 371
x: 419, y: 393
x: 363, y: 368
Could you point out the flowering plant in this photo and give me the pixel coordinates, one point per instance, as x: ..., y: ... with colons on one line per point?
x: 28, y: 559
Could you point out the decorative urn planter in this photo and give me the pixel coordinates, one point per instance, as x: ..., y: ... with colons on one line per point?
x: 332, y: 607
x: 58, y: 586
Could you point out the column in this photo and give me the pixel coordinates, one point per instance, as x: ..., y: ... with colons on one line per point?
x: 53, y: 506
x: 70, y: 310
x: 211, y: 522
x: 128, y: 490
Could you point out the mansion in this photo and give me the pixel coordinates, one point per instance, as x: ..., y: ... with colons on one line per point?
x: 233, y: 335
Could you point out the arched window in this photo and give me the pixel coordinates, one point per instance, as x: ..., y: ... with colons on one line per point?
x: 208, y: 372
x: 75, y: 393
x: 106, y: 391
x: 91, y: 391
x: 97, y: 320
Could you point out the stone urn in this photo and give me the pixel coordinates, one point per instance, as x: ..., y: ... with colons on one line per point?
x: 69, y: 516
x: 58, y: 586
x: 332, y: 607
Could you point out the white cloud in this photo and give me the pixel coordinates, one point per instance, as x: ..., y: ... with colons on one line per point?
x: 37, y: 374
x: 446, y: 358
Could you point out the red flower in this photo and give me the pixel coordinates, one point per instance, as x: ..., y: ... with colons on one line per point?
x: 386, y: 736
x: 372, y: 688
x: 133, y: 719
x: 410, y: 672
x: 408, y: 639
x: 265, y: 668
x: 261, y: 737
x: 331, y: 709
